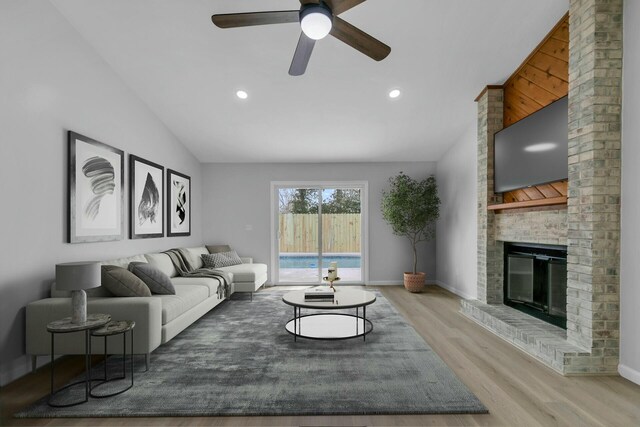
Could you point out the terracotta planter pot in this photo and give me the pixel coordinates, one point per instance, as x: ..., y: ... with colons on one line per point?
x: 414, y: 282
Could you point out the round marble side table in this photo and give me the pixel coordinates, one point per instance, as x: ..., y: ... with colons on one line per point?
x: 65, y: 326
x: 113, y: 328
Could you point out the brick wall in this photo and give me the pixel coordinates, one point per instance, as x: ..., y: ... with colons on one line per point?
x: 545, y: 227
x: 595, y: 92
x: 490, y: 268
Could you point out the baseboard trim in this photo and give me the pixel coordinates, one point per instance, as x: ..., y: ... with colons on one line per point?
x: 384, y: 283
x: 394, y: 283
x: 629, y: 373
x: 454, y: 290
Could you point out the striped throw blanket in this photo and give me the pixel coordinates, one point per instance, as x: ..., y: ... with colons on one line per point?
x: 180, y: 258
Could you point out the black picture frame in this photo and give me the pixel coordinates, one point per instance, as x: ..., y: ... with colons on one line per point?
x: 178, y: 204
x: 95, y: 190
x: 146, y: 195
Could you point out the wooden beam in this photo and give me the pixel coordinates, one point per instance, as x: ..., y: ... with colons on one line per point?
x: 562, y: 200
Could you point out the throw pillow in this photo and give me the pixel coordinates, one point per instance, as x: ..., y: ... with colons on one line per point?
x: 123, y: 283
x: 214, y: 249
x: 221, y: 259
x: 156, y: 280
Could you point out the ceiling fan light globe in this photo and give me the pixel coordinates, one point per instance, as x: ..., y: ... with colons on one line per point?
x: 316, y: 21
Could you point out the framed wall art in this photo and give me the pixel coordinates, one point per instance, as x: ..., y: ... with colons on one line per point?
x: 146, y: 209
x: 178, y: 204
x: 95, y: 191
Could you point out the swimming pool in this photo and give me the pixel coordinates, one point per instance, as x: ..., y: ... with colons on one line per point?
x: 311, y: 261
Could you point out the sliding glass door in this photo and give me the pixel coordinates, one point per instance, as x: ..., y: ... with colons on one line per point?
x: 299, y: 251
x: 316, y: 224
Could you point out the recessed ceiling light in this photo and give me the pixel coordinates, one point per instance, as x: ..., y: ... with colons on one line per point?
x: 242, y: 94
x: 394, y: 93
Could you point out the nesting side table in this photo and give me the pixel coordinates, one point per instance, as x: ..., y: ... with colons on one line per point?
x: 65, y: 326
x: 114, y: 328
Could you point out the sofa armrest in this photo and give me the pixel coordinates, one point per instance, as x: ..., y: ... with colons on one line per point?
x: 246, y: 260
x: 145, y: 311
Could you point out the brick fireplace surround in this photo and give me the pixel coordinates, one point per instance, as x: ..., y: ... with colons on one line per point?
x: 589, y: 226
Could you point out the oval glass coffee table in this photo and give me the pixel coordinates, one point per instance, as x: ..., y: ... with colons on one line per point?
x: 330, y: 326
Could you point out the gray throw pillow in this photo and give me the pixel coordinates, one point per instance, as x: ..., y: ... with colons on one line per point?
x: 221, y: 259
x: 123, y: 283
x: 157, y: 282
x: 214, y: 249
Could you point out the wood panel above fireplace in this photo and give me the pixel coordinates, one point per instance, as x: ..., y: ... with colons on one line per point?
x: 552, y: 194
x: 541, y: 79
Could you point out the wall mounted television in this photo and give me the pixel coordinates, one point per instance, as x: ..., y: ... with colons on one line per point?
x: 534, y: 150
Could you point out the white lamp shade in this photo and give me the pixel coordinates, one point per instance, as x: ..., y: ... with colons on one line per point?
x: 74, y: 276
x: 316, y: 22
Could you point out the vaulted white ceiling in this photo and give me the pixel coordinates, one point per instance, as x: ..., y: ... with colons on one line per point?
x: 187, y: 71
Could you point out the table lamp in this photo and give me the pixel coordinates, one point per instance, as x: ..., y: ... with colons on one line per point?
x: 76, y: 277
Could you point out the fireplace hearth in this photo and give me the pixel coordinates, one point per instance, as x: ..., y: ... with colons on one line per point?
x: 535, y: 281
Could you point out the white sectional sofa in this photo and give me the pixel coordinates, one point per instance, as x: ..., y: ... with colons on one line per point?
x: 158, y: 318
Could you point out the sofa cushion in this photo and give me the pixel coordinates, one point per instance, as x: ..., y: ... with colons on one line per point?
x: 163, y: 263
x: 246, y: 272
x: 100, y: 291
x: 186, y: 297
x: 156, y: 280
x: 207, y: 282
x: 123, y: 283
x: 214, y: 249
x: 221, y: 259
x: 194, y: 255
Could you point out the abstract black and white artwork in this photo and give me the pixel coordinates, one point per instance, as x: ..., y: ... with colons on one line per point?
x: 178, y: 204
x: 95, y: 190
x: 147, y: 192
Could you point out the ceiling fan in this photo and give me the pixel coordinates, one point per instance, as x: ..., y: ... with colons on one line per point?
x: 317, y: 19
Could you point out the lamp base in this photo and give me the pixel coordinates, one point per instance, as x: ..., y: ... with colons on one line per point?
x: 79, y: 306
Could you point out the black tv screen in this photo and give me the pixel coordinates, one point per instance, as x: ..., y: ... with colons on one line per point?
x: 534, y: 150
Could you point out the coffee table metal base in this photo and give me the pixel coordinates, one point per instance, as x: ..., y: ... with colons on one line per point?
x: 329, y: 326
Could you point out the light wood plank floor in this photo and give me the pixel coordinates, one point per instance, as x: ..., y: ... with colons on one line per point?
x: 518, y: 390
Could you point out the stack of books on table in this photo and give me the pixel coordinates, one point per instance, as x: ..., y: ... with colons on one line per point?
x: 319, y: 294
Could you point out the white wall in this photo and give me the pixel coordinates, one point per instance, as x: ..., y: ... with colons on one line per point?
x: 630, y: 244
x: 457, y: 236
x: 51, y: 81
x: 237, y: 195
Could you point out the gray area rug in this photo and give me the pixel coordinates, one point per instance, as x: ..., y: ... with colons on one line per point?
x: 239, y: 360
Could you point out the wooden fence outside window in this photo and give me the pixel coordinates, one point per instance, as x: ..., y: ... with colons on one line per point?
x: 299, y: 233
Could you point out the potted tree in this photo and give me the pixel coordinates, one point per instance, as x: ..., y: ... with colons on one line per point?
x: 411, y: 207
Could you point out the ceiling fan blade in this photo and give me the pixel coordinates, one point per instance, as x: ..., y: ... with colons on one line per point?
x: 302, y: 55
x: 339, y: 6
x: 359, y: 40
x: 232, y: 20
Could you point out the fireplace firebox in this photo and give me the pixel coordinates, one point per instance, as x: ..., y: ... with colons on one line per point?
x: 535, y: 280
